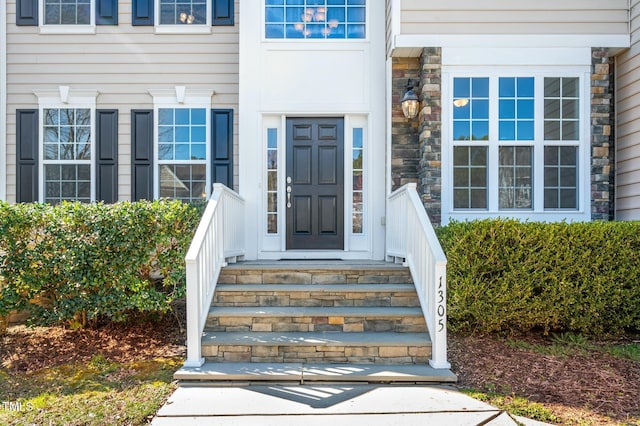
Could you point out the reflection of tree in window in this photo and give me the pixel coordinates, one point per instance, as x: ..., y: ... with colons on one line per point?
x: 67, y: 12
x: 67, y: 137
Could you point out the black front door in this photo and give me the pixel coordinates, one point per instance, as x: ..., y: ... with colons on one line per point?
x: 315, y: 184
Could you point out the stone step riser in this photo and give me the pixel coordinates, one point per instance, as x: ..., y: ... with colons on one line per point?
x: 398, y: 355
x: 315, y: 299
x: 238, y: 276
x: 316, y: 323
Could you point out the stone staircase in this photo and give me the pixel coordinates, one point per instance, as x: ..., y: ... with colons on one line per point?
x: 363, y: 318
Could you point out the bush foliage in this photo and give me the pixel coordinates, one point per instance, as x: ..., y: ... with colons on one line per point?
x: 505, y: 275
x: 82, y: 263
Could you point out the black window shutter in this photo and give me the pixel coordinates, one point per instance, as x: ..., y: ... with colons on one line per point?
x: 142, y: 154
x: 107, y: 161
x: 222, y: 146
x: 27, y: 167
x: 27, y: 12
x: 142, y: 12
x: 106, y: 12
x: 222, y: 11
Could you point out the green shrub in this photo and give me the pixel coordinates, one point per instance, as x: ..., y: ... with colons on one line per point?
x: 81, y: 263
x: 505, y: 275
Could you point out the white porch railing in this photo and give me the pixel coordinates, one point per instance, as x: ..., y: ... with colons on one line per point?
x: 219, y: 239
x: 410, y: 236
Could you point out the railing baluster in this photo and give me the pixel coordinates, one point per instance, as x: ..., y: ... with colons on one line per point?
x: 411, y: 235
x: 215, y: 240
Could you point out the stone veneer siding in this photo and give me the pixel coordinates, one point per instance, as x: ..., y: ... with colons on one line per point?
x: 430, y: 137
x: 602, y: 146
x: 422, y: 136
x: 404, y: 132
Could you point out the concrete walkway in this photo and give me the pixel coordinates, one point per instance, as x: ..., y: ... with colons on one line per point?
x: 322, y: 404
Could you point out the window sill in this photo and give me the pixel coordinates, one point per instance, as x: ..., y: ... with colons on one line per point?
x: 530, y: 215
x: 182, y: 29
x: 67, y: 29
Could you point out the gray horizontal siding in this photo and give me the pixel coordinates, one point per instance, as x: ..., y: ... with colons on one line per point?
x: 628, y: 125
x: 122, y: 62
x: 514, y: 17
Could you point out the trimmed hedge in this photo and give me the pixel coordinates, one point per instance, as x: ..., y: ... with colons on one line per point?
x: 505, y: 275
x: 84, y: 263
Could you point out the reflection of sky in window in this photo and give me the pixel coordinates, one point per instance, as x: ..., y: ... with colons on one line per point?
x: 471, y: 118
x: 182, y: 134
x: 516, y: 108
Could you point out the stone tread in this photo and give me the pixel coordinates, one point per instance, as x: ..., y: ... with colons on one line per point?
x: 316, y: 265
x: 300, y: 311
x: 329, y: 338
x: 317, y: 288
x: 299, y: 372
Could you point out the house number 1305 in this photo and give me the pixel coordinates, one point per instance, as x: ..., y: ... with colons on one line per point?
x: 440, y: 310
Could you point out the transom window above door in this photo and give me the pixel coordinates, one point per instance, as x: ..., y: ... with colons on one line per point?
x: 315, y: 19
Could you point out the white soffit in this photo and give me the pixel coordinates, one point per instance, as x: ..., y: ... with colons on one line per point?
x: 409, y: 45
x: 453, y: 56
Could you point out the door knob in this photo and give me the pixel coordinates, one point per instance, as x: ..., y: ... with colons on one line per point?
x: 288, y: 196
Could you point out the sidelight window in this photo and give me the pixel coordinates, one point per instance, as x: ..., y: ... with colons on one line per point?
x: 272, y: 181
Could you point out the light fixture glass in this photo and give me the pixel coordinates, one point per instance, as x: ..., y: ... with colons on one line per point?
x: 410, y: 101
x: 461, y: 102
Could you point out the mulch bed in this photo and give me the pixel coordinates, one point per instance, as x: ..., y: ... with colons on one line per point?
x: 582, y: 385
x: 590, y: 380
x: 25, y: 349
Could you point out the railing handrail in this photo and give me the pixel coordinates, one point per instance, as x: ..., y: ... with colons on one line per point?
x: 434, y: 242
x: 411, y: 236
x: 219, y: 236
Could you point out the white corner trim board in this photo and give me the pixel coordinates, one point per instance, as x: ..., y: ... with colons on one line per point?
x: 3, y: 99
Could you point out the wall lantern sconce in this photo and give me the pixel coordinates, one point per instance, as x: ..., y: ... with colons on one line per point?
x: 410, y: 102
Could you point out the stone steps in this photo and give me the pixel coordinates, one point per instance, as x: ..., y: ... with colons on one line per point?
x: 329, y: 347
x: 314, y: 272
x: 304, y: 319
x: 345, y: 316
x: 245, y: 372
x: 310, y: 295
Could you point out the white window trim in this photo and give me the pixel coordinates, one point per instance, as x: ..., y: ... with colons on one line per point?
x: 65, y: 98
x: 538, y: 213
x: 181, y: 97
x: 182, y: 29
x: 67, y: 29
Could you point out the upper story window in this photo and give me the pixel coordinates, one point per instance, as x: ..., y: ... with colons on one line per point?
x: 67, y: 12
x: 315, y: 19
x: 66, y: 16
x: 183, y: 12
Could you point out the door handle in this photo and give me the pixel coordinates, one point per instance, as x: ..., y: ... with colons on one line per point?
x: 288, y: 195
